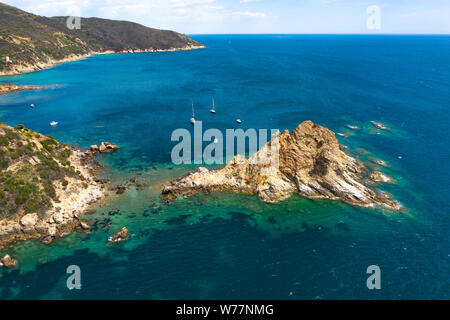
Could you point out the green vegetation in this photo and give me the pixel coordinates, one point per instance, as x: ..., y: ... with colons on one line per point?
x: 29, y: 173
x: 4, y: 142
x: 26, y: 38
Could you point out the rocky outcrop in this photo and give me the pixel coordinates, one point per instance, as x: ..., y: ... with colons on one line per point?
x: 43, y: 192
x: 6, y: 88
x: 8, y: 262
x: 105, y: 147
x: 309, y: 161
x: 121, y: 235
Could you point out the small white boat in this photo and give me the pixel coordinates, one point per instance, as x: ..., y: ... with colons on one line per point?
x: 53, y: 123
x: 31, y: 106
x: 216, y: 141
x: 213, y: 109
x: 192, y: 120
x: 239, y: 121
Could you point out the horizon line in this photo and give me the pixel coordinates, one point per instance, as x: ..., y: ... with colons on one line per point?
x: 334, y: 34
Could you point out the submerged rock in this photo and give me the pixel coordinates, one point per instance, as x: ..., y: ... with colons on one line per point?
x: 379, y: 125
x: 89, y: 211
x: 378, y: 162
x: 121, y: 235
x: 310, y: 162
x: 155, y: 208
x: 120, y: 189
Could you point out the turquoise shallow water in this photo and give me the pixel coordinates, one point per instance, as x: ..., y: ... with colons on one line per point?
x: 234, y: 246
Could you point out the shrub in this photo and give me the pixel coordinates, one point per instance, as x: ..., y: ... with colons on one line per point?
x: 4, y: 142
x: 50, y: 190
x: 4, y: 163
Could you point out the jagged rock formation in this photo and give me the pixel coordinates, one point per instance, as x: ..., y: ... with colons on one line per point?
x: 310, y: 162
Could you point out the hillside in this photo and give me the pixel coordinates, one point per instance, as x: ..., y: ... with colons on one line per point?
x: 44, y: 184
x: 29, y: 42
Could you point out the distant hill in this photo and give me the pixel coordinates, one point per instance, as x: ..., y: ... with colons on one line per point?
x: 29, y: 42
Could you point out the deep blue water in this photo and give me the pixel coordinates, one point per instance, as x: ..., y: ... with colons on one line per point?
x: 230, y: 246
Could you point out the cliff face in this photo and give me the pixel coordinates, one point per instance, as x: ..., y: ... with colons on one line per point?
x: 309, y: 161
x: 29, y: 42
x: 44, y: 185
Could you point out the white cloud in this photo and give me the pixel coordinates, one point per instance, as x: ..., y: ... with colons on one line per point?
x: 185, y: 16
x: 249, y: 14
x: 243, y: 16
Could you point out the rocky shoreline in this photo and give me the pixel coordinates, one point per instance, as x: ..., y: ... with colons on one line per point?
x: 45, y: 186
x: 310, y: 162
x: 22, y: 68
x: 65, y: 216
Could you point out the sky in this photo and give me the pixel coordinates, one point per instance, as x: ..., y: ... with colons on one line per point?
x: 261, y: 16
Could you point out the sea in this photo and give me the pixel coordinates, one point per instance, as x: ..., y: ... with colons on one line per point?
x: 231, y: 246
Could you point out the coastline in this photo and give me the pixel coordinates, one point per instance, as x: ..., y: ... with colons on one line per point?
x: 64, y: 216
x: 23, y: 69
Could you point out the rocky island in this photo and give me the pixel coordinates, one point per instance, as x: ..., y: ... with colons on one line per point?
x: 45, y: 185
x: 310, y: 163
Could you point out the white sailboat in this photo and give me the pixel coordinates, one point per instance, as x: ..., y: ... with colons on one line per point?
x: 213, y: 110
x: 192, y: 120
